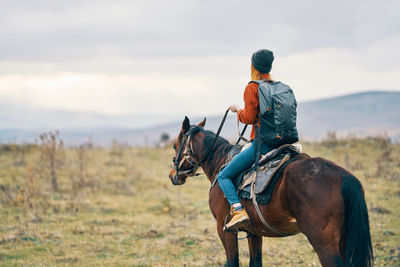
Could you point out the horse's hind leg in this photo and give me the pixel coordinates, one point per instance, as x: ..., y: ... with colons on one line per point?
x: 327, y: 251
x: 230, y: 242
x: 255, y: 247
x: 325, y: 239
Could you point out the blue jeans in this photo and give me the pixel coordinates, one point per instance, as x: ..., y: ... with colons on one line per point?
x: 240, y: 163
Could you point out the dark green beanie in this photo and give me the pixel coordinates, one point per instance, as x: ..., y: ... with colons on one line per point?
x: 262, y: 60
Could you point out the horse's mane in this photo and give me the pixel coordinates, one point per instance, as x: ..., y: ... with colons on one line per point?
x: 220, y: 149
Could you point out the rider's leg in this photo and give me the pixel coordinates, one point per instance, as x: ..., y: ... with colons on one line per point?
x: 239, y: 164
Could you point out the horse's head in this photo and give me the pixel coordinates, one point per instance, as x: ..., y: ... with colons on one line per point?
x: 185, y: 162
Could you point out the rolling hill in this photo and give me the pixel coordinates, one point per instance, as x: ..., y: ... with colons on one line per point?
x: 367, y: 113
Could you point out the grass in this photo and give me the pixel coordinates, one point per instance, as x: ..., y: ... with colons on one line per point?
x: 126, y: 212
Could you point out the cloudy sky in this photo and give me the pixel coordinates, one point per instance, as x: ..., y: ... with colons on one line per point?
x: 190, y: 57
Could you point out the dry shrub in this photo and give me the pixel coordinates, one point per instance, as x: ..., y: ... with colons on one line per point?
x: 35, y: 201
x: 78, y: 174
x: 26, y: 193
x: 51, y: 156
x: 387, y: 162
x: 32, y: 182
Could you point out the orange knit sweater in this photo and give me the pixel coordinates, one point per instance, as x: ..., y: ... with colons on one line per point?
x: 251, y: 109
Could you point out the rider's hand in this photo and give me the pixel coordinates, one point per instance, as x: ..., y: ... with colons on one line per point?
x: 234, y: 108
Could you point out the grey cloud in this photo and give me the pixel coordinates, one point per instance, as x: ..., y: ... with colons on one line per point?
x: 83, y: 30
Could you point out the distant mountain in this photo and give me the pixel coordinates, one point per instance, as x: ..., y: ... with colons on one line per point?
x: 367, y: 113
x: 362, y: 114
x: 14, y: 116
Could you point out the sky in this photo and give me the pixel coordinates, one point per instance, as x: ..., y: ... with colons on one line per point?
x: 190, y: 57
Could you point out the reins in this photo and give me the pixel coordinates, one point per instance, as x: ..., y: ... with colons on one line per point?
x: 216, y: 136
x: 237, y: 142
x: 241, y: 137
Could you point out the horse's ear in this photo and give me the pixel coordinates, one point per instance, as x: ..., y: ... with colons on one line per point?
x: 185, y: 125
x: 202, y: 123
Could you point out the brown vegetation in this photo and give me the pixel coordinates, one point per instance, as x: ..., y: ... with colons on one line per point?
x: 90, y: 206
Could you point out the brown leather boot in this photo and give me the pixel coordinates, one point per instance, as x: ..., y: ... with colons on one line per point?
x: 239, y: 218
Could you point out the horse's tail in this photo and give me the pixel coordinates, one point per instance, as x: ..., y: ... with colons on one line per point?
x: 358, y: 238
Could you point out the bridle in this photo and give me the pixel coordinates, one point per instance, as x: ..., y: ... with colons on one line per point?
x: 186, y: 151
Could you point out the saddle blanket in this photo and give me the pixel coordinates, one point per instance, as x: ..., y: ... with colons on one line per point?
x: 269, y: 170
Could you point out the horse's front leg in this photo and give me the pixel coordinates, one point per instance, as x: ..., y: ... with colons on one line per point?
x: 255, y: 248
x: 230, y: 242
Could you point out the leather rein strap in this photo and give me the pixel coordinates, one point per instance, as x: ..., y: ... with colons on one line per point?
x: 216, y: 136
x: 241, y: 137
x: 237, y: 142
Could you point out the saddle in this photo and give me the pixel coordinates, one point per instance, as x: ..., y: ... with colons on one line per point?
x: 262, y: 181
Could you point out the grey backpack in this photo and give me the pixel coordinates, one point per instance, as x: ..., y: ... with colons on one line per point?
x: 277, y: 113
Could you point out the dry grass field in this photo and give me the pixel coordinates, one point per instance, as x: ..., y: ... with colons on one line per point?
x: 116, y: 207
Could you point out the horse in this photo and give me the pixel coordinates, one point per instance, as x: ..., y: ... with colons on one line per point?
x: 313, y: 196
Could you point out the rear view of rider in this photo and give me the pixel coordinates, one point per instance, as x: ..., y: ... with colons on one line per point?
x: 261, y: 64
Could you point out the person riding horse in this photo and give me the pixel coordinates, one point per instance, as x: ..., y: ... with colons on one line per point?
x: 261, y: 64
x: 312, y: 195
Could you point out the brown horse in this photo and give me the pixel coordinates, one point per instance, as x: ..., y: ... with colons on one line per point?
x: 313, y: 196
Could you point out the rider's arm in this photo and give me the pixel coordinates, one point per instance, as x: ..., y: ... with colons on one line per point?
x: 248, y: 115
